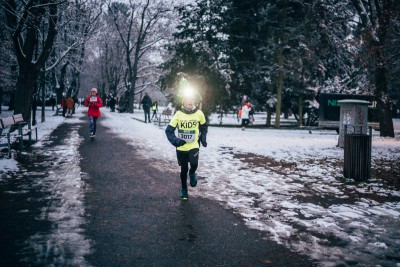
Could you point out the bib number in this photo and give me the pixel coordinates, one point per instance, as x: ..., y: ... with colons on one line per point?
x: 188, y: 136
x: 93, y: 99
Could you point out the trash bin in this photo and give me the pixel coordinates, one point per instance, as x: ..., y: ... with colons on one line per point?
x: 353, y: 113
x: 357, y: 156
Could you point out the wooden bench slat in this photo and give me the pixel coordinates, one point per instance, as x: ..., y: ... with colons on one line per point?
x: 167, y: 112
x: 18, y: 118
x: 7, y: 122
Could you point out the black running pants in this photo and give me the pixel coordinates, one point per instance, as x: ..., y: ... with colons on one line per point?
x: 187, y: 157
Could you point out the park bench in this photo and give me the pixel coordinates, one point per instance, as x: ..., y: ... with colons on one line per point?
x: 25, y: 128
x: 16, y: 128
x: 165, y: 117
x: 5, y: 131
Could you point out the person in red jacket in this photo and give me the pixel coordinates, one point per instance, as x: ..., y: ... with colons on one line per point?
x: 94, y: 103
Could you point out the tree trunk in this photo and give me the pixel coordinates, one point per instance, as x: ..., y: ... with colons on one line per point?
x: 62, y: 82
x: 43, y: 86
x: 78, y: 74
x: 72, y: 87
x: 300, y: 111
x: 1, y: 100
x: 61, y: 86
x: 383, y: 103
x: 23, y: 95
x: 279, y: 92
x: 11, y: 104
x: 134, y: 79
x: 34, y: 108
x: 269, y: 115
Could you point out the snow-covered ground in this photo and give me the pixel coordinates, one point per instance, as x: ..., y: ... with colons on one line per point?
x: 54, y: 175
x: 289, y: 184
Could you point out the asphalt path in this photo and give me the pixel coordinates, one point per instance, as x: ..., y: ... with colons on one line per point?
x: 135, y: 217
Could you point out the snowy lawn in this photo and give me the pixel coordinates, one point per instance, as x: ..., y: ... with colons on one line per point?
x: 289, y: 183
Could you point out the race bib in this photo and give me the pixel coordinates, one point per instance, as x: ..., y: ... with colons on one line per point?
x: 93, y: 99
x: 186, y: 135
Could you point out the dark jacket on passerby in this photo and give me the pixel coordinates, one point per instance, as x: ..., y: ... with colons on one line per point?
x: 147, y: 102
x: 112, y: 103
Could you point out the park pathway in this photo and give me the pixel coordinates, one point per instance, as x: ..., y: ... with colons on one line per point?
x: 135, y: 217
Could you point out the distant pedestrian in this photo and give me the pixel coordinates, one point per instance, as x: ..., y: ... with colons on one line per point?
x: 76, y: 103
x: 53, y: 102
x: 70, y: 106
x: 94, y: 103
x: 154, y: 107
x: 64, y: 106
x: 192, y: 130
x: 245, y: 115
x: 146, y: 104
x: 251, y: 114
x: 113, y: 102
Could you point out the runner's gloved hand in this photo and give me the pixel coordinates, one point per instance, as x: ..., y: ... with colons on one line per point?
x: 181, y: 142
x: 204, y: 143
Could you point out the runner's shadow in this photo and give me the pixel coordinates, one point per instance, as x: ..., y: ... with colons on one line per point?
x: 187, y: 223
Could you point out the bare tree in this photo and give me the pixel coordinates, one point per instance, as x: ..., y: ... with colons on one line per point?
x: 24, y: 20
x: 111, y: 56
x: 139, y: 26
x: 34, y: 26
x: 79, y: 23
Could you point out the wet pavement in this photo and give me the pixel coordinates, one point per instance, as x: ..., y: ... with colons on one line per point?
x: 80, y: 203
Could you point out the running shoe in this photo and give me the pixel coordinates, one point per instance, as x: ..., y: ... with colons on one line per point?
x: 184, y: 194
x: 193, y: 179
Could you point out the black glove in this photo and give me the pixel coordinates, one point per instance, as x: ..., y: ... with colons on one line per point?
x: 181, y: 142
x: 204, y: 143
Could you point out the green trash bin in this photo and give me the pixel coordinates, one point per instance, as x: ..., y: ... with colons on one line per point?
x: 357, y: 156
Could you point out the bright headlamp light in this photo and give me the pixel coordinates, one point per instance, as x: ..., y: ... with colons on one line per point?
x: 188, y: 92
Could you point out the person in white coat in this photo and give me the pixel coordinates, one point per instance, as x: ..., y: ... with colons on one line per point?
x: 245, y: 115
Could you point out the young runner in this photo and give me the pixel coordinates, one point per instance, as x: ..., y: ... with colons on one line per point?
x: 94, y: 103
x: 154, y: 107
x: 192, y: 130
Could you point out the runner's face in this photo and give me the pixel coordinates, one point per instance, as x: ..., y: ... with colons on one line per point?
x: 92, y: 93
x: 188, y: 102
